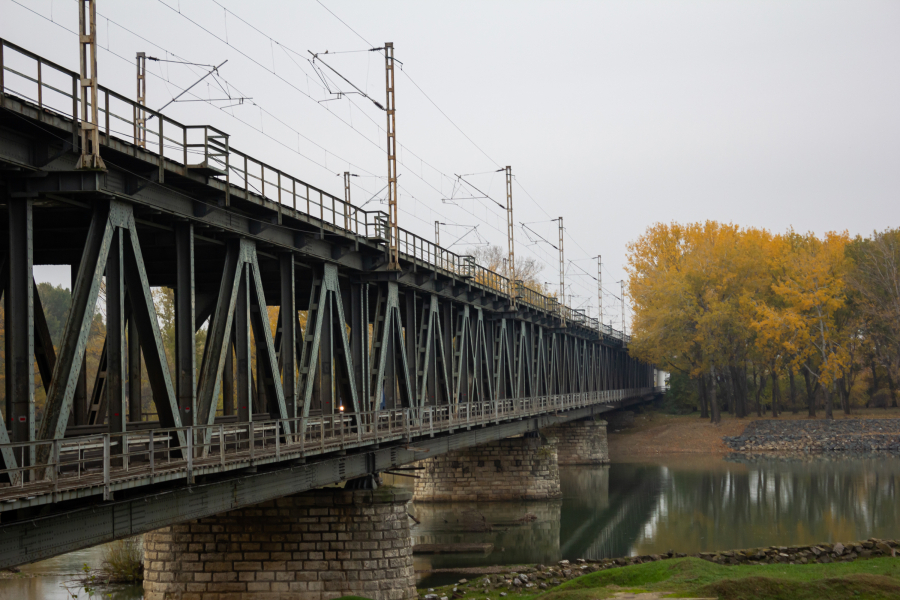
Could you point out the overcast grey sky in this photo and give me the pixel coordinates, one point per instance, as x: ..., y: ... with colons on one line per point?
x: 614, y: 115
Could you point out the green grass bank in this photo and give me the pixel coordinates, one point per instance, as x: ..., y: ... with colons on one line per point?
x: 875, y: 578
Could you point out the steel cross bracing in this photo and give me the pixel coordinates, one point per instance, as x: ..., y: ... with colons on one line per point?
x: 361, y: 354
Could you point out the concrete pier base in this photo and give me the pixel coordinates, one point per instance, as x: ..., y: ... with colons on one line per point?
x: 580, y: 442
x: 317, y: 545
x: 521, y: 468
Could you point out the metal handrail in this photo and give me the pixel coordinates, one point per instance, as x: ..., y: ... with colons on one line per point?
x: 101, y: 460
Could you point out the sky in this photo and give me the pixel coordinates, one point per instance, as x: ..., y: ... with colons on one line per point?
x: 612, y: 115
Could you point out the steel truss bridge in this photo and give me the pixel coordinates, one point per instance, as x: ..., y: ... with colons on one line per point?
x: 389, y: 366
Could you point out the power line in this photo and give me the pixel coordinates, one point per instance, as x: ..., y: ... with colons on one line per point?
x: 339, y: 19
x: 287, y: 49
x: 273, y: 72
x: 282, y: 123
x: 418, y: 87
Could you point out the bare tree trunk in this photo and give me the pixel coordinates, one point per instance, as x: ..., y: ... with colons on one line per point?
x: 828, y: 395
x: 794, y: 408
x: 738, y: 390
x: 810, y: 392
x: 704, y: 399
x: 874, y: 388
x: 728, y: 384
x: 745, y: 391
x: 756, y: 391
x: 845, y: 395
x: 776, y: 393
x: 890, y: 379
x: 714, y: 404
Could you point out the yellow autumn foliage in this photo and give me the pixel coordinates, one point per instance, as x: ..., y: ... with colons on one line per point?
x: 712, y: 296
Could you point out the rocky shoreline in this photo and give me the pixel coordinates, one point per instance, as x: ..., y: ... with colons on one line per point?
x: 537, y: 578
x: 845, y: 436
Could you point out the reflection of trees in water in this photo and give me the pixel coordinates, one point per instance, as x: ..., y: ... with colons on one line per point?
x: 689, y: 506
x: 605, y: 508
x: 774, y: 502
x: 514, y: 541
x: 585, y: 486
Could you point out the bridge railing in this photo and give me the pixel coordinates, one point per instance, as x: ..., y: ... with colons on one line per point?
x: 109, y: 461
x: 207, y: 150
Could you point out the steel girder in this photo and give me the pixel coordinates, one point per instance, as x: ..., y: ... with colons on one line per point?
x: 326, y: 322
x: 510, y: 358
x: 241, y: 305
x: 112, y: 230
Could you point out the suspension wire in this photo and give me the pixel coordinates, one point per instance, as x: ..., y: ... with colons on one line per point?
x: 539, y: 235
x: 480, y: 192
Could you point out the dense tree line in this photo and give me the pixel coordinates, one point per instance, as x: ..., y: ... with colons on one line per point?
x: 747, y: 320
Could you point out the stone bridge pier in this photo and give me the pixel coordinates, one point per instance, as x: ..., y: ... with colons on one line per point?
x: 581, y: 442
x: 521, y: 468
x: 317, y: 545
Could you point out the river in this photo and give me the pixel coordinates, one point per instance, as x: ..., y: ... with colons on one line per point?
x: 685, y: 503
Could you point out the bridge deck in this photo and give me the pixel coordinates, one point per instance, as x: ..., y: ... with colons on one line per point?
x: 78, y: 467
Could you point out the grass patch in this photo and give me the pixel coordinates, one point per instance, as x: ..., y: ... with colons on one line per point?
x: 874, y: 578
x: 871, y: 579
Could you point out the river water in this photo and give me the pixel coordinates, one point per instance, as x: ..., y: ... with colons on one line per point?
x: 685, y: 503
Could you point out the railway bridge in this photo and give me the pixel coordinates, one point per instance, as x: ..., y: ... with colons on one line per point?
x: 368, y: 368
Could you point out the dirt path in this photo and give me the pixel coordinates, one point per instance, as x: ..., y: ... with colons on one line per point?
x: 657, y: 433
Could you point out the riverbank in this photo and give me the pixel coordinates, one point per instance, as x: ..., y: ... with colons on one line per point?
x: 868, y: 569
x: 850, y: 436
x: 654, y: 433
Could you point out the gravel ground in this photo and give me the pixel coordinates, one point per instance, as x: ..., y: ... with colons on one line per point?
x: 847, y: 436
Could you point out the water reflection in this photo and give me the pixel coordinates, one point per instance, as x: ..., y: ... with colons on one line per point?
x: 691, y: 503
x: 520, y: 532
x: 53, y: 579
x: 768, y: 501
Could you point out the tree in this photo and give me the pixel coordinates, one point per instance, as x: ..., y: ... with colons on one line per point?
x: 875, y: 279
x: 711, y: 300
x: 494, y: 258
x: 813, y: 290
x: 689, y: 285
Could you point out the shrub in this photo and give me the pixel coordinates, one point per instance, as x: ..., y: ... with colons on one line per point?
x: 123, y: 561
x: 683, y: 396
x: 881, y: 398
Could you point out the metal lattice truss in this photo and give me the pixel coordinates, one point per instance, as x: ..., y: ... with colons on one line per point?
x: 360, y: 354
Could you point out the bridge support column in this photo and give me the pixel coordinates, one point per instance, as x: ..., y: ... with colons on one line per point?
x: 580, y: 442
x: 316, y: 545
x: 522, y: 468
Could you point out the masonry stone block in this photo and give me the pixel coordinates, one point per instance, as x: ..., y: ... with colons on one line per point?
x: 580, y: 442
x: 521, y: 468
x: 293, y: 548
